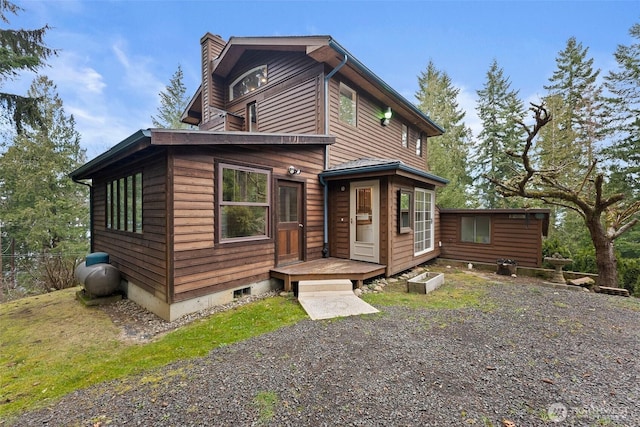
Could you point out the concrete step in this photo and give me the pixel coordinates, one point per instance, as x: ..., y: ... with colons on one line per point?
x: 306, y: 287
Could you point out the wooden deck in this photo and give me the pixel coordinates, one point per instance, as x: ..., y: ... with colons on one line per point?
x: 327, y: 268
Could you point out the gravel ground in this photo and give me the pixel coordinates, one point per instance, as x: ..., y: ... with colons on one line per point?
x: 540, y: 356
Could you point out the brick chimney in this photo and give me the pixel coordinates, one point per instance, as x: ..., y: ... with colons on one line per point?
x: 212, y: 95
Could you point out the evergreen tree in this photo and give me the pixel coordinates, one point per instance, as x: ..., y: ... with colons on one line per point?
x: 623, y: 155
x: 500, y: 111
x: 623, y: 106
x: 20, y: 50
x: 446, y: 154
x: 579, y: 116
x: 173, y: 102
x: 42, y: 209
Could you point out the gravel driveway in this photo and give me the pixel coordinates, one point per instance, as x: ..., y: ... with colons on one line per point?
x: 540, y: 356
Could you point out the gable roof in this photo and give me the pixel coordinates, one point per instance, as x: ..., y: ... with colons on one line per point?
x: 323, y: 49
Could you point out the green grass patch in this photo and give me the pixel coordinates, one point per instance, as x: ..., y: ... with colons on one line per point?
x: 460, y: 290
x: 52, y: 345
x: 266, y: 402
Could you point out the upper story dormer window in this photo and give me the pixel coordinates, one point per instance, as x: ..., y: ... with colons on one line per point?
x: 347, y: 113
x: 248, y: 82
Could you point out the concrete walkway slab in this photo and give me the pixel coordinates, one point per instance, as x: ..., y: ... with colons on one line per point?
x: 326, y: 299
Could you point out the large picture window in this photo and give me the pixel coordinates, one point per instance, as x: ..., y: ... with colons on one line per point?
x: 476, y: 229
x: 248, y: 82
x: 123, y: 207
x: 423, y: 221
x: 244, y: 203
x: 348, y: 112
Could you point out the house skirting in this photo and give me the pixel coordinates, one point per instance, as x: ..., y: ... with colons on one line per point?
x: 171, y: 312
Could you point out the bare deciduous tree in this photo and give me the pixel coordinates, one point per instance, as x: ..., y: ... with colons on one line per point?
x: 606, y: 216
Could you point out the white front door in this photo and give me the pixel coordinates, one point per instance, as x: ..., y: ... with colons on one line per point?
x: 365, y: 221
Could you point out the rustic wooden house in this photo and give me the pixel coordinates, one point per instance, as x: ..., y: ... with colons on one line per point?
x: 302, y: 154
x: 487, y: 235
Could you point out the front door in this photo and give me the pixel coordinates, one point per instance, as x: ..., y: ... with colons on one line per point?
x: 365, y: 221
x: 289, y: 222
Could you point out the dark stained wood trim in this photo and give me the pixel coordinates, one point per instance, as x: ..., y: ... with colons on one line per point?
x: 170, y: 264
x: 173, y: 137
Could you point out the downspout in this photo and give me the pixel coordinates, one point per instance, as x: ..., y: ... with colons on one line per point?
x: 325, y: 245
x: 90, y: 210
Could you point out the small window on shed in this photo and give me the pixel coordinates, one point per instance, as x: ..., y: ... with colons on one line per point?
x: 348, y: 98
x: 475, y: 229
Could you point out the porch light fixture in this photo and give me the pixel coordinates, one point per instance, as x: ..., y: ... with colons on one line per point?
x: 387, y: 117
x: 293, y: 171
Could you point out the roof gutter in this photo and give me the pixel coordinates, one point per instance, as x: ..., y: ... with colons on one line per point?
x: 377, y: 80
x: 106, y: 156
x: 325, y: 245
x: 381, y: 168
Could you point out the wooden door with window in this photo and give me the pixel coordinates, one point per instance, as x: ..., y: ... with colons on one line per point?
x: 290, y: 225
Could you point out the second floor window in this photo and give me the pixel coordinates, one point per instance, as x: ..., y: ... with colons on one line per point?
x: 252, y: 118
x: 419, y: 146
x: 248, y: 82
x: 405, y: 136
x: 347, y: 112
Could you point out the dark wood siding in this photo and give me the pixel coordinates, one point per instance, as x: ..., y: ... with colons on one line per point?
x: 290, y: 102
x: 141, y: 258
x: 202, y: 266
x: 369, y: 138
x: 402, y: 245
x: 339, y: 243
x: 518, y: 238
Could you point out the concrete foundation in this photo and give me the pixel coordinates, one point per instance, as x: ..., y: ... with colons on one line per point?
x: 171, y: 312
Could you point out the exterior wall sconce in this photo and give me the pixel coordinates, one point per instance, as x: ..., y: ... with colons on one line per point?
x: 387, y: 117
x: 293, y: 171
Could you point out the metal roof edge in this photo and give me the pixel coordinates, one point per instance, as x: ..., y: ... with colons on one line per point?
x: 380, y: 168
x: 113, y: 151
x: 353, y: 60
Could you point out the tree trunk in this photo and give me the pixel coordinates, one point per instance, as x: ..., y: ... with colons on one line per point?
x: 605, y: 254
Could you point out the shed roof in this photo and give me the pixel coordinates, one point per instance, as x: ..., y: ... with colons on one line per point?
x: 373, y: 166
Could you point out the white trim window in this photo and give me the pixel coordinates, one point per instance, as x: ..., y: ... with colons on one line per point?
x: 423, y: 233
x: 248, y: 82
x: 347, y: 112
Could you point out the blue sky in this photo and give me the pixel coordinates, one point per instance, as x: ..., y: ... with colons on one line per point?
x: 116, y: 56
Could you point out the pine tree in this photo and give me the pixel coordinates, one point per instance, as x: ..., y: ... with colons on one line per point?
x: 173, y: 102
x: 20, y: 50
x: 42, y: 209
x: 446, y: 154
x: 499, y: 109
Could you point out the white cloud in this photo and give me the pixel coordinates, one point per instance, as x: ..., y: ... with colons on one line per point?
x: 137, y: 74
x: 67, y: 71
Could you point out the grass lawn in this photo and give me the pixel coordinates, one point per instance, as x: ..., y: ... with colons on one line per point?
x: 52, y: 345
